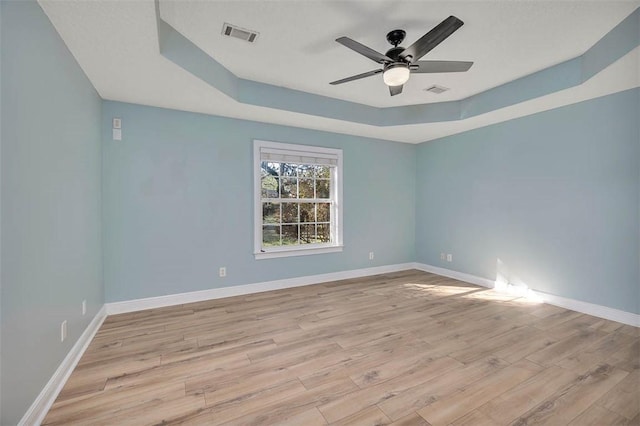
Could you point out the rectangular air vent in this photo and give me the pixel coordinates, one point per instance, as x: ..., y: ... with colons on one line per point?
x: 241, y: 33
x: 436, y: 89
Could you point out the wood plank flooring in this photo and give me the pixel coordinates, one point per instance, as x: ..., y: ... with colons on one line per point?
x: 408, y: 348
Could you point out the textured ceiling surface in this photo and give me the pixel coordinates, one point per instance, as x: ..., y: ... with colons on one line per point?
x: 116, y: 44
x: 296, y: 48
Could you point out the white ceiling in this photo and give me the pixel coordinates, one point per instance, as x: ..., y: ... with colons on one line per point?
x: 115, y: 42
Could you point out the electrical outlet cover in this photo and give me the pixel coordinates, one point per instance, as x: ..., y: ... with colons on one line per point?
x: 63, y: 331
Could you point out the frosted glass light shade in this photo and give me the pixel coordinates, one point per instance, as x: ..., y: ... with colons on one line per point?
x: 396, y: 75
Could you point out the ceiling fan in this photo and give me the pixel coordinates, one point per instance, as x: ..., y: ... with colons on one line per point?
x: 398, y: 63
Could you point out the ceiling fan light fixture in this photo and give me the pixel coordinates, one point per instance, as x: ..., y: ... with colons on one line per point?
x: 396, y: 74
x: 399, y: 62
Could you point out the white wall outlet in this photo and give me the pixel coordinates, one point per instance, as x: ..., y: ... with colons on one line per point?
x: 63, y: 331
x: 84, y: 307
x: 117, y: 134
x: 117, y: 123
x: 449, y: 257
x: 222, y: 272
x: 370, y: 255
x: 443, y: 256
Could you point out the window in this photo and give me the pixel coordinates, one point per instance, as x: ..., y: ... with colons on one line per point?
x: 298, y: 199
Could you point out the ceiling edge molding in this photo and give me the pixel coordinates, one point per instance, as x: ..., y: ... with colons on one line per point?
x: 621, y: 40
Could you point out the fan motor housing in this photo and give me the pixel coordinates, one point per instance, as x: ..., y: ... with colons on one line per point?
x: 399, y: 64
x: 394, y: 53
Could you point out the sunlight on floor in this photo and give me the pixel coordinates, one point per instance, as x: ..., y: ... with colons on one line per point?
x: 437, y: 290
x: 502, y: 291
x: 508, y: 292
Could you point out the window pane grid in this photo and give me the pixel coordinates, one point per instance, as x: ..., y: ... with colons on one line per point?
x: 283, y: 180
x: 296, y: 223
x: 297, y: 203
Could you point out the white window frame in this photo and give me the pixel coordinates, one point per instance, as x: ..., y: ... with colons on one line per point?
x: 336, y: 188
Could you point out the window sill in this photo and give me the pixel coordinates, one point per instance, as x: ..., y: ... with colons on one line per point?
x: 297, y: 252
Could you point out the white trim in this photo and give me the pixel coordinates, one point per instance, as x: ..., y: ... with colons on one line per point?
x: 298, y: 150
x: 218, y: 293
x: 468, y: 278
x: 599, y: 311
x: 38, y: 410
x: 298, y: 251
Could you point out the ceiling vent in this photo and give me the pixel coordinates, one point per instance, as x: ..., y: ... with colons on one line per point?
x: 241, y: 33
x: 436, y: 89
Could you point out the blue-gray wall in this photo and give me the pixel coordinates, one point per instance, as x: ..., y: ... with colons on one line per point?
x: 178, y: 202
x: 50, y: 198
x: 553, y: 197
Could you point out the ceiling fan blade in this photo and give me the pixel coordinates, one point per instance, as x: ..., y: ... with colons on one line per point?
x: 356, y: 77
x: 440, y: 66
x: 364, y: 50
x: 431, y: 39
x: 395, y: 90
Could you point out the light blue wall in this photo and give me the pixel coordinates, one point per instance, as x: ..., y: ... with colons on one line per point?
x: 554, y: 196
x: 50, y: 198
x: 178, y: 202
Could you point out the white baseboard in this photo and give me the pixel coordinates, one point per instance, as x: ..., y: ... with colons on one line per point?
x: 468, y: 278
x: 563, y: 302
x: 239, y: 290
x: 38, y: 410
x: 590, y: 308
x: 218, y: 293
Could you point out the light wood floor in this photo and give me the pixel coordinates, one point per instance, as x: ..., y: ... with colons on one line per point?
x: 408, y: 348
